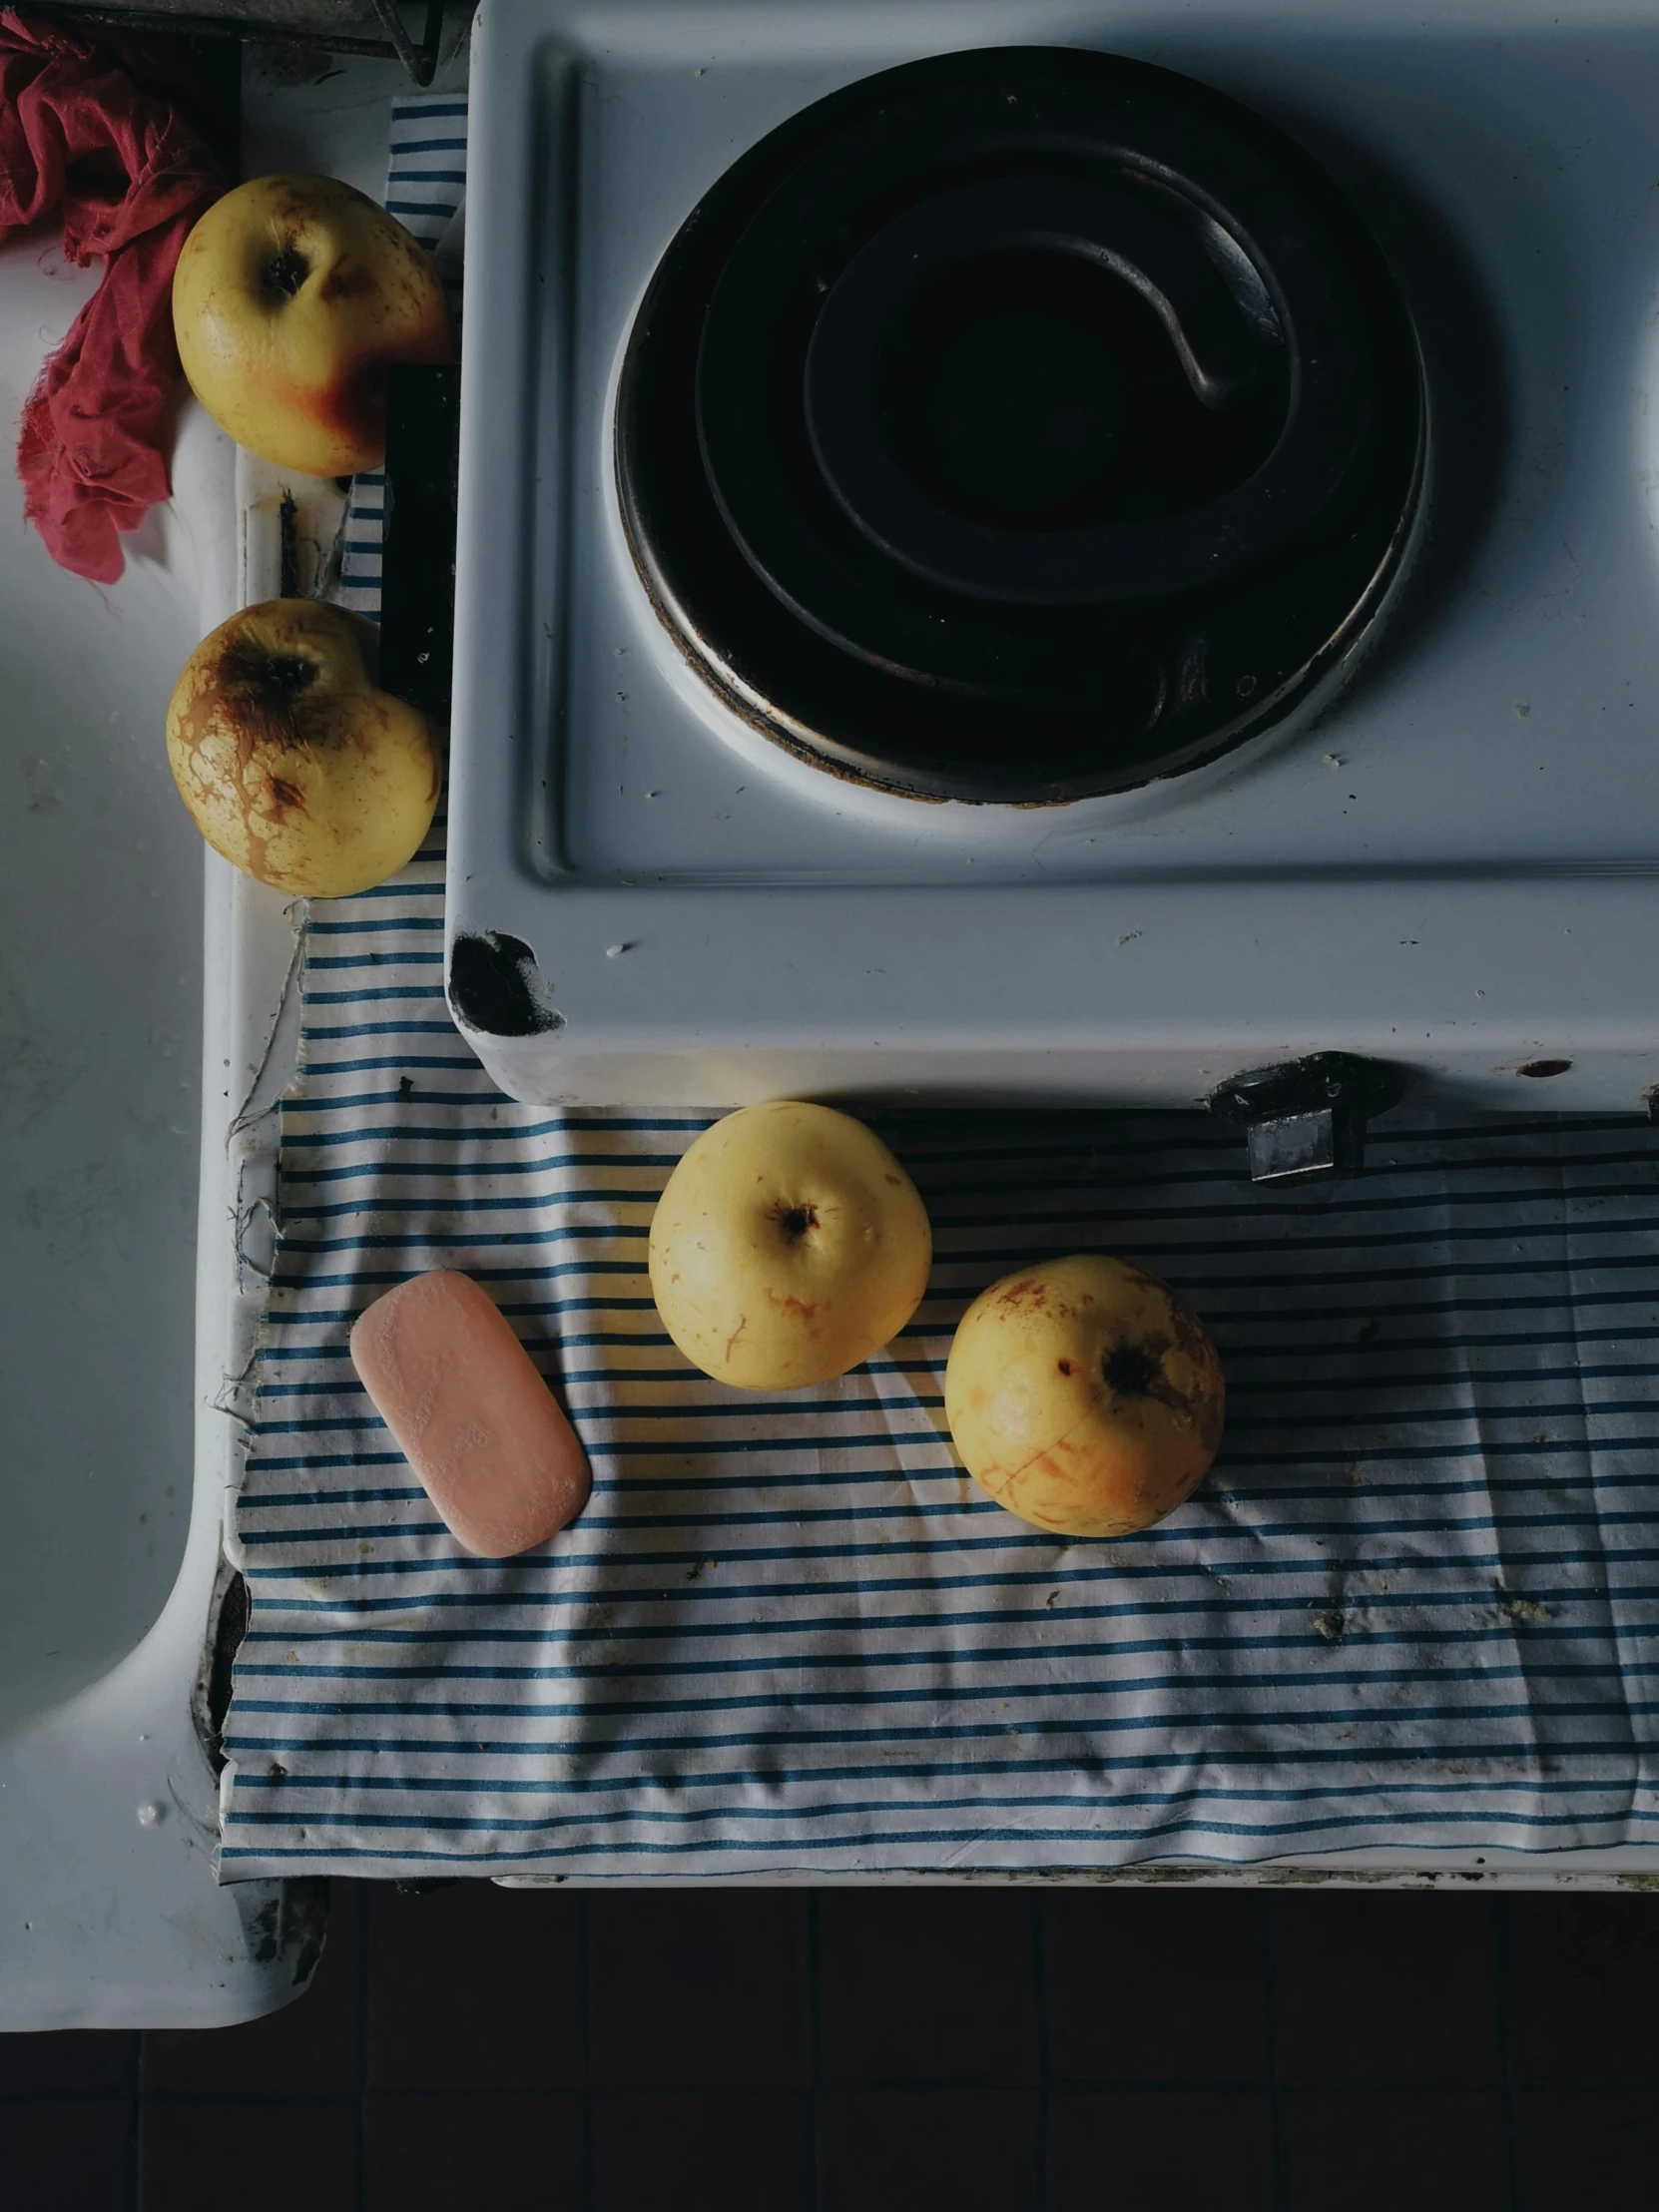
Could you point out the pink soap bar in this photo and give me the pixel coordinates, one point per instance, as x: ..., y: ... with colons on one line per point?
x: 490, y: 1441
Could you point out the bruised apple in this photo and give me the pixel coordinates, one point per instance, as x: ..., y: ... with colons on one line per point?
x: 291, y: 300
x: 788, y: 1246
x: 292, y: 761
x: 1084, y: 1396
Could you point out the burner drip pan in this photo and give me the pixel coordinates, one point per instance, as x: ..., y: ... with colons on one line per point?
x: 1019, y: 426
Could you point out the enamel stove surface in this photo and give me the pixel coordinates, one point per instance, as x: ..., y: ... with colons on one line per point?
x: 1433, y: 842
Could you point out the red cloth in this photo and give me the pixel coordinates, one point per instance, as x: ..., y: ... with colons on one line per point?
x: 130, y: 177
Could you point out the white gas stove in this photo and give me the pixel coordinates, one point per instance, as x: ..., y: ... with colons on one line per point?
x: 1042, y: 580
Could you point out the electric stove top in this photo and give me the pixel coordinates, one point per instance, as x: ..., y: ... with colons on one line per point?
x: 1057, y: 552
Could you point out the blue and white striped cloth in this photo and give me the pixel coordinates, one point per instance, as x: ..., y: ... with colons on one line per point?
x: 1416, y: 1604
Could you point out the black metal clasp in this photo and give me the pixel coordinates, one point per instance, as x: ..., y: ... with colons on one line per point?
x: 417, y: 561
x: 1304, y: 1118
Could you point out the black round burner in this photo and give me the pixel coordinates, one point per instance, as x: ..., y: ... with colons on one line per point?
x: 1019, y: 425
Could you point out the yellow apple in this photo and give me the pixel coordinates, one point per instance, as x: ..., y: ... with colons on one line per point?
x: 292, y: 297
x: 292, y: 760
x: 1084, y: 1396
x: 787, y: 1247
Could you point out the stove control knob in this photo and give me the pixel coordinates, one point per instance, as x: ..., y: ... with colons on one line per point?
x: 1304, y: 1119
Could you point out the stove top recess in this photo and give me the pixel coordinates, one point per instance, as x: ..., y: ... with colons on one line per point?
x: 1055, y: 552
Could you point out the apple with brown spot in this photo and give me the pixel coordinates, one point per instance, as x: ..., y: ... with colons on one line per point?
x: 291, y: 298
x: 292, y: 761
x: 1084, y: 1396
x: 788, y: 1246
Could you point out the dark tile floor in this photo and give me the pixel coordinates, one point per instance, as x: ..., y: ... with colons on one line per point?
x: 855, y: 2051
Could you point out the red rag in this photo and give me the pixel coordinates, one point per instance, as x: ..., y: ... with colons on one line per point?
x: 130, y: 177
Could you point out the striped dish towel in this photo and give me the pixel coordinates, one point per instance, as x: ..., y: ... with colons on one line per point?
x: 1416, y: 1604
